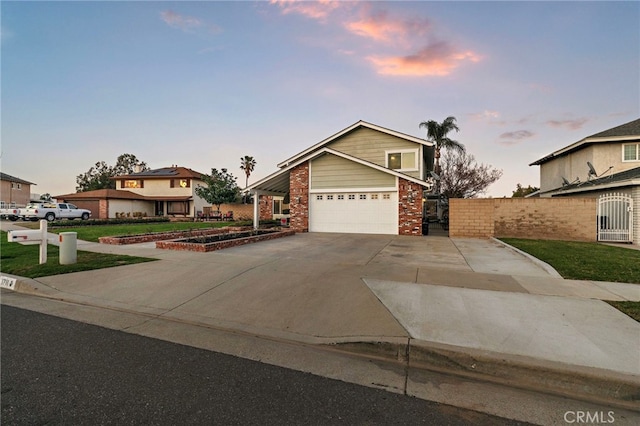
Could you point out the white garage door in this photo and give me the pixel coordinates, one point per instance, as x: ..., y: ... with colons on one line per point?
x: 356, y: 212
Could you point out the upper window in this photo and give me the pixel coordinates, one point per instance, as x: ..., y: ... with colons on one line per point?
x: 132, y: 184
x: 182, y: 183
x: 405, y: 160
x: 631, y: 152
x: 16, y: 185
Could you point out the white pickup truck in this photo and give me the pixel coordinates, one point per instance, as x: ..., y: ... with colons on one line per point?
x: 10, y: 211
x: 54, y: 211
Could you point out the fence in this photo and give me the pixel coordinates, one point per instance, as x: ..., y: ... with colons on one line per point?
x: 539, y: 218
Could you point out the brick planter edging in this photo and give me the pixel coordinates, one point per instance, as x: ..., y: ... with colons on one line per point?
x: 219, y: 245
x: 169, y: 235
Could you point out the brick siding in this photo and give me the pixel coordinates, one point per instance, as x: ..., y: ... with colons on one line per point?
x: 409, y: 208
x: 299, y: 193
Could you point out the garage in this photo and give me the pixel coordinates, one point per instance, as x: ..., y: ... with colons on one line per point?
x: 359, y: 212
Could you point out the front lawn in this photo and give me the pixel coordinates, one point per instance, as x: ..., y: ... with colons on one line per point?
x: 584, y: 261
x: 22, y: 260
x: 588, y: 261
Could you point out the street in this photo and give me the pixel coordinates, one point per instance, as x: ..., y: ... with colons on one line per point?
x: 57, y: 371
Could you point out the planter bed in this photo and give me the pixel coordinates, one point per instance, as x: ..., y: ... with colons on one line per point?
x: 222, y: 241
x: 169, y: 235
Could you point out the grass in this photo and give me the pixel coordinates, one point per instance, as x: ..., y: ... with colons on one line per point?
x: 23, y: 260
x: 584, y: 261
x: 93, y: 232
x: 588, y: 261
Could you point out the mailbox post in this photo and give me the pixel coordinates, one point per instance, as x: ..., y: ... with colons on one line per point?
x: 32, y: 235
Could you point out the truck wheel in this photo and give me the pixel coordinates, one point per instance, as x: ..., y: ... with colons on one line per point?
x: 85, y: 216
x: 50, y: 217
x: 13, y: 218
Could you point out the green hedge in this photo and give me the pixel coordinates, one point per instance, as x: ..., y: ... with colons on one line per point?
x: 90, y: 222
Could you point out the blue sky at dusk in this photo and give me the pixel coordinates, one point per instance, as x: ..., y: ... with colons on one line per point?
x: 201, y: 84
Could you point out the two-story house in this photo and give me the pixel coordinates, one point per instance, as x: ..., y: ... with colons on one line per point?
x: 363, y: 179
x: 168, y: 191
x: 605, y: 163
x: 14, y: 191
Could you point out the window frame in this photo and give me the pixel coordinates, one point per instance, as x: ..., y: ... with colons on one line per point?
x: 139, y: 183
x: 637, y: 146
x: 401, y: 152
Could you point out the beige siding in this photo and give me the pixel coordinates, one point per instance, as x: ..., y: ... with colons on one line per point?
x: 574, y: 165
x: 371, y: 145
x: 330, y: 171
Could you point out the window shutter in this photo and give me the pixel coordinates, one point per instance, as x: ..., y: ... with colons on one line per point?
x: 172, y: 184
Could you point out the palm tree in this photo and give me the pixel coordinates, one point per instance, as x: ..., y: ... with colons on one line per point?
x: 437, y: 133
x: 247, y: 163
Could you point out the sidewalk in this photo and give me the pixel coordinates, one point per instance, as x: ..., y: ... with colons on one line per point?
x: 474, y: 307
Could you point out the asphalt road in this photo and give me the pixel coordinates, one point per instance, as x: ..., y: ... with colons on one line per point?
x: 57, y: 371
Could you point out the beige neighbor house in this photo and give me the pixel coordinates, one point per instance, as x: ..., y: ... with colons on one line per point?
x: 363, y: 179
x: 605, y: 166
x: 14, y: 191
x: 168, y: 191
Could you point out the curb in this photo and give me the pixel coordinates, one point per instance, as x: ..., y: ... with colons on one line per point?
x: 547, y: 268
x: 584, y: 383
x: 419, y: 357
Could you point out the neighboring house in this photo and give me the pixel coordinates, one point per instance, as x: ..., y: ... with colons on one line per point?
x: 363, y: 179
x: 14, y: 191
x: 168, y: 191
x: 604, y: 163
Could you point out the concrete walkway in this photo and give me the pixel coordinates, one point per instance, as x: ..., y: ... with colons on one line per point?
x: 469, y: 295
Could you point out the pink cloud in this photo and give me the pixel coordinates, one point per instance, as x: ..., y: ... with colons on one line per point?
x: 574, y: 124
x: 438, y: 59
x: 319, y: 9
x: 381, y: 27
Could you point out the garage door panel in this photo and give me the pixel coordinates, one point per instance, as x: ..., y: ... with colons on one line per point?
x: 362, y: 213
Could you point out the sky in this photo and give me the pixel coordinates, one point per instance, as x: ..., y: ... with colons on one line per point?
x: 201, y: 84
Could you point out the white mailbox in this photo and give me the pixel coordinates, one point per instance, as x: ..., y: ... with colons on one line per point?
x: 19, y: 236
x: 22, y: 236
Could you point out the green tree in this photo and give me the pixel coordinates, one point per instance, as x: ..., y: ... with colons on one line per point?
x: 99, y: 176
x: 523, y: 192
x: 126, y: 164
x: 462, y: 177
x: 221, y: 187
x: 437, y: 133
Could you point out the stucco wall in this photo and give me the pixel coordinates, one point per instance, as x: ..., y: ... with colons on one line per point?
x: 10, y: 195
x: 539, y: 218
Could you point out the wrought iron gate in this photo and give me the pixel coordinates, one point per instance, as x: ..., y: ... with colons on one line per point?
x: 615, y: 218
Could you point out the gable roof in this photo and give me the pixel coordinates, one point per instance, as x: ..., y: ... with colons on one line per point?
x: 163, y: 173
x: 615, y: 180
x: 355, y: 126
x: 278, y: 183
x: 9, y: 178
x: 624, y: 132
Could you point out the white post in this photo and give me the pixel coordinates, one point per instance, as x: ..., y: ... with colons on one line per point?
x: 256, y: 210
x: 43, y: 241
